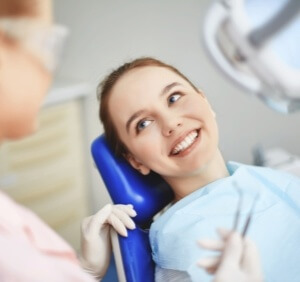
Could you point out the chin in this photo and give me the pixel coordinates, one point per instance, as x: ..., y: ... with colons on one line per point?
x: 200, y: 164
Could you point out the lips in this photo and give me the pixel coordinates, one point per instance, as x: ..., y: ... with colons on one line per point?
x: 184, y: 142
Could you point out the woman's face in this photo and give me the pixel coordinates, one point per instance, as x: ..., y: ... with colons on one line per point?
x: 167, y: 126
x: 24, y: 83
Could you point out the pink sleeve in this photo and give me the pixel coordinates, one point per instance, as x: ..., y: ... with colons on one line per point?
x: 20, y: 261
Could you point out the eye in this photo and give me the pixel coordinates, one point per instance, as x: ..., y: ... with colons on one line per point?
x: 142, y: 125
x: 173, y: 98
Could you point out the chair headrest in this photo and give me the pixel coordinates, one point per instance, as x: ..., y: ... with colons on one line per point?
x: 148, y: 194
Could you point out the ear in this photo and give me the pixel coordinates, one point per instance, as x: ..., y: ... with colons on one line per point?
x: 137, y: 164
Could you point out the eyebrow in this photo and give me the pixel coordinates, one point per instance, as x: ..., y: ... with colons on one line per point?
x: 168, y: 88
x: 132, y: 118
x: 165, y: 90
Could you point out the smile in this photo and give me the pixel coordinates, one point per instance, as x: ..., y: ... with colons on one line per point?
x: 187, y: 142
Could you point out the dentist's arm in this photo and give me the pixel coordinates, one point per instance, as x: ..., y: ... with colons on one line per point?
x: 95, y: 239
x: 239, y: 260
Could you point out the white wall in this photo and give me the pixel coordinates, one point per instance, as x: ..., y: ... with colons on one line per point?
x: 106, y: 33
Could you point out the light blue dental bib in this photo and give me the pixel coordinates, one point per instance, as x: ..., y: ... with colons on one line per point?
x: 275, y: 226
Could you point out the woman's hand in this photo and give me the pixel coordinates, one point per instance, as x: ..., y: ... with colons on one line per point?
x: 239, y: 260
x: 95, y: 239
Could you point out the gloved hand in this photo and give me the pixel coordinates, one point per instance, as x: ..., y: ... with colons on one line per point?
x: 239, y: 260
x: 95, y: 238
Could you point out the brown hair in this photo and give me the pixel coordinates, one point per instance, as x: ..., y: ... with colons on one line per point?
x: 103, y: 92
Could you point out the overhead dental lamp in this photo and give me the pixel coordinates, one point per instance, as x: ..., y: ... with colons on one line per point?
x: 256, y: 43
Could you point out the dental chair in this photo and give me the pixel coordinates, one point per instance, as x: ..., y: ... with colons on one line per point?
x: 148, y: 194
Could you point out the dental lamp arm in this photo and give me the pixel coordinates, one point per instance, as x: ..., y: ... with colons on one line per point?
x: 256, y: 54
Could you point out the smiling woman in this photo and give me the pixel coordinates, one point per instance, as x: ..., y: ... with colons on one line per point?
x: 163, y: 111
x: 159, y: 121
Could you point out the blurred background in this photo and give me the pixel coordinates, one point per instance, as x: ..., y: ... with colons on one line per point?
x: 62, y: 184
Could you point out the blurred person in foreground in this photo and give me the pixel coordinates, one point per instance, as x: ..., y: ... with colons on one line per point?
x: 30, y: 250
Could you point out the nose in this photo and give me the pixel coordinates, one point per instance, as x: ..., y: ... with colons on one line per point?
x: 170, y: 126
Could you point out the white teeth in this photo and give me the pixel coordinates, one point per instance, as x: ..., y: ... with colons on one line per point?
x: 185, y: 143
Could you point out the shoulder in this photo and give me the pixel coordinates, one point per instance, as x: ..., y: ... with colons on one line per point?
x: 280, y: 183
x: 263, y: 172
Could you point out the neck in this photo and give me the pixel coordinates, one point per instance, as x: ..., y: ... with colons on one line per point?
x: 212, y: 171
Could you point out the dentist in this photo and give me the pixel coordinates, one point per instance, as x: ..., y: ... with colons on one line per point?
x: 30, y: 250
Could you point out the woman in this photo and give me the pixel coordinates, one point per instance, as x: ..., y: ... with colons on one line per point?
x: 30, y: 250
x: 159, y: 121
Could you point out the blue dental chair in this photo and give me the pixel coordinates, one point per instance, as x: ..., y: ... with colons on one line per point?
x: 148, y: 194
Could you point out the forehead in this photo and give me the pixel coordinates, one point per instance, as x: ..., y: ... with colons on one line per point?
x: 143, y: 82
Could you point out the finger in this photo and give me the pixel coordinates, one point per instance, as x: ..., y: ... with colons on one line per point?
x: 251, y: 258
x: 127, y: 209
x: 208, y: 262
x: 224, y: 233
x: 213, y: 269
x: 97, y: 221
x: 210, y: 244
x: 124, y: 218
x: 233, y: 250
x: 118, y: 225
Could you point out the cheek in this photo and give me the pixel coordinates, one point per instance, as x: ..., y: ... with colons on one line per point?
x: 193, y: 106
x: 212, y: 130
x: 200, y: 109
x: 37, y: 83
x: 29, y: 96
x: 28, y: 79
x: 147, y: 148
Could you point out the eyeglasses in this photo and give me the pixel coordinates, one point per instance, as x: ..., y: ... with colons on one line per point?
x: 239, y: 208
x: 44, y: 42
